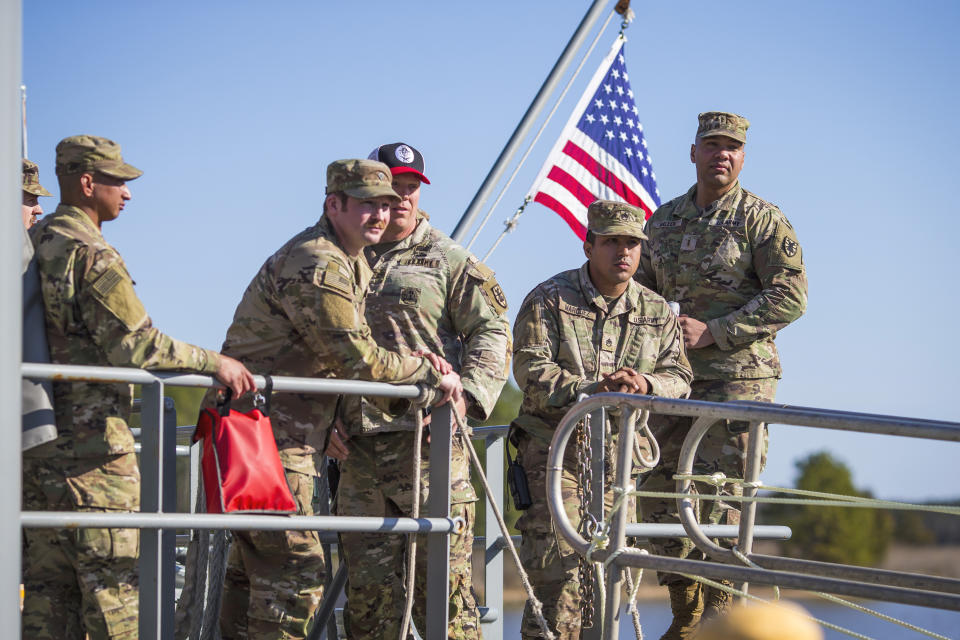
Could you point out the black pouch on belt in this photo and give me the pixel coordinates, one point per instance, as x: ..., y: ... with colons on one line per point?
x: 517, y: 480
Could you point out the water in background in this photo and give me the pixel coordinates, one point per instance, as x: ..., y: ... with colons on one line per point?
x: 655, y: 618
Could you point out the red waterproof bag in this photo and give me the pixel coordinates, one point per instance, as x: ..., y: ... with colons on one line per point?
x: 241, y: 465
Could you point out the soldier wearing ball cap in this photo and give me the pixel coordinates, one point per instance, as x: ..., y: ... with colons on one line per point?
x: 584, y: 331
x: 427, y: 292
x: 733, y: 264
x: 301, y: 315
x: 76, y: 583
x: 32, y: 190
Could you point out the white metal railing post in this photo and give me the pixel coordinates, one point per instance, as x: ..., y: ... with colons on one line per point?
x: 618, y: 519
x: 748, y: 510
x: 438, y: 506
x: 158, y: 494
x: 11, y: 305
x: 492, y: 545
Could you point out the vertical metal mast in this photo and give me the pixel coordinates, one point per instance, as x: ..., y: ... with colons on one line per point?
x: 23, y: 122
x: 11, y: 320
x: 533, y: 111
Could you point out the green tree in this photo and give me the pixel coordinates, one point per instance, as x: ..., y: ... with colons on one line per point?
x: 836, y: 534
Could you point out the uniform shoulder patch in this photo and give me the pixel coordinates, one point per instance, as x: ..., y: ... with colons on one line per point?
x: 495, y: 295
x: 114, y: 291
x: 789, y: 247
x: 332, y: 276
x: 108, y: 281
x: 785, y: 251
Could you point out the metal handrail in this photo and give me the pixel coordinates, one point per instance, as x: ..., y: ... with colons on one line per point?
x: 159, y: 521
x: 907, y: 588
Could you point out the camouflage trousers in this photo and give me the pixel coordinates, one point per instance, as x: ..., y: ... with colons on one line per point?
x: 274, y: 579
x: 552, y: 564
x: 377, y: 480
x: 81, y: 582
x: 723, y: 449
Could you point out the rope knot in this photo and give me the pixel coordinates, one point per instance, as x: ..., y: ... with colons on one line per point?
x: 718, y: 479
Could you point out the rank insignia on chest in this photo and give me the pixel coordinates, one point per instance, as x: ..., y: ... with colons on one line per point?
x: 689, y: 242
x: 409, y: 296
x: 790, y: 247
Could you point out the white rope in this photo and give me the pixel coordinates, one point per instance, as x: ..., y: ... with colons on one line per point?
x: 412, y: 537
x: 866, y: 503
x: 533, y: 143
x: 633, y: 592
x: 829, y: 499
x: 882, y: 616
x: 749, y: 596
x: 535, y: 605
x: 841, y: 601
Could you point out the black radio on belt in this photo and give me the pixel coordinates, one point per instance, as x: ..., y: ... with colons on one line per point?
x: 517, y: 481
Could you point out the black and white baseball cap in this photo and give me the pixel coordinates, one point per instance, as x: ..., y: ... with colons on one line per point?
x: 401, y: 158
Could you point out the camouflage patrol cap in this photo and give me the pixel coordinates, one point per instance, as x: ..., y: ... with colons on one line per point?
x: 360, y: 179
x: 612, y: 218
x: 93, y: 154
x: 720, y: 123
x: 31, y: 179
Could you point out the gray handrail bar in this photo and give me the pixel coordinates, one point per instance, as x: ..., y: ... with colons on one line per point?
x: 326, y: 386
x: 240, y: 522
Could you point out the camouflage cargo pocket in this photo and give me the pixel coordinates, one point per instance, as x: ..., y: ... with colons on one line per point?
x: 109, y: 544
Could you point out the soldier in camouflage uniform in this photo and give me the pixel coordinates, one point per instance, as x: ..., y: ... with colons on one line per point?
x: 427, y: 294
x: 733, y: 263
x: 32, y: 190
x: 84, y: 581
x: 302, y: 316
x: 584, y: 331
x: 39, y: 421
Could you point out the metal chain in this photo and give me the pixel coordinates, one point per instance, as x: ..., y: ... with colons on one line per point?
x: 587, y: 521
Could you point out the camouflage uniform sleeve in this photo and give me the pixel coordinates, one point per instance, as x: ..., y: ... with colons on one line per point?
x: 120, y: 326
x: 536, y: 337
x: 672, y: 375
x: 478, y: 308
x: 645, y: 274
x: 778, y: 262
x: 321, y: 303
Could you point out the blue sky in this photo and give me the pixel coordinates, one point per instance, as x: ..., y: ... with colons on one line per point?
x: 234, y: 109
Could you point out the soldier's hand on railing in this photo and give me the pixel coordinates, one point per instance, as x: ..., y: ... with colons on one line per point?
x: 451, y: 388
x: 233, y: 374
x: 337, y: 446
x: 440, y: 364
x: 624, y: 380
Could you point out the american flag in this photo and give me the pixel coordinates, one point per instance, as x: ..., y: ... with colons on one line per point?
x: 601, y: 154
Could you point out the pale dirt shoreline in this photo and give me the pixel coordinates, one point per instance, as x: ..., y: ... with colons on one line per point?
x: 932, y: 560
